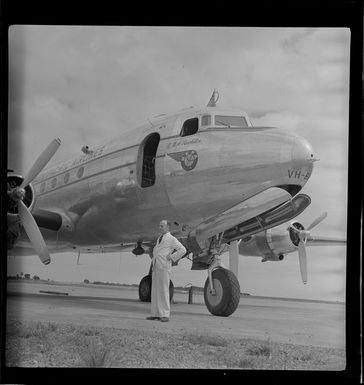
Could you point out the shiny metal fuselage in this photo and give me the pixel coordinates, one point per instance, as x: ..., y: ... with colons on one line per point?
x: 233, y: 165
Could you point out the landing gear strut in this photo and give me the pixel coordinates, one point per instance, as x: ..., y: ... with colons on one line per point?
x: 222, y: 289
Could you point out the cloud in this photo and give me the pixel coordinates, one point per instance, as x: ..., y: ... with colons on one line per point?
x: 89, y: 84
x: 292, y: 43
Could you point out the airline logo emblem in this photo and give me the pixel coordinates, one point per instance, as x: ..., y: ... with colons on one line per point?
x: 188, y: 159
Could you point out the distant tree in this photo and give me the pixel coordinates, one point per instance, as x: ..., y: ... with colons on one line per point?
x: 86, y: 281
x: 36, y: 278
x: 27, y: 276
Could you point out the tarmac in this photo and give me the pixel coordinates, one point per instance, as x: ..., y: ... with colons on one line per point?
x: 280, y: 320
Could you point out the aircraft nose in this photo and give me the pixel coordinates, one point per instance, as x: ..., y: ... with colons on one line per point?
x: 302, y: 150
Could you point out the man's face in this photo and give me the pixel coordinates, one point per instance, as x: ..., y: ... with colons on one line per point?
x: 163, y: 226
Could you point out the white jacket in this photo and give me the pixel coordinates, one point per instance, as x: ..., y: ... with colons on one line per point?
x: 165, y: 248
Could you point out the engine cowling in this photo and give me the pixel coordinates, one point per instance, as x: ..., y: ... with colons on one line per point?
x: 59, y: 222
x: 19, y: 189
x: 272, y: 244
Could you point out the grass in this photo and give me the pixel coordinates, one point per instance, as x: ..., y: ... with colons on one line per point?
x: 199, y: 337
x: 38, y: 330
x: 94, y: 354
x: 260, y: 349
x: 35, y: 344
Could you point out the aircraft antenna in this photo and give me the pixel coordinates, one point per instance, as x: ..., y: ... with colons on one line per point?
x: 214, y: 98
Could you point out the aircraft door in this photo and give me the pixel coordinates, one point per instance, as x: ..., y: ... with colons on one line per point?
x: 147, y: 160
x: 155, y: 203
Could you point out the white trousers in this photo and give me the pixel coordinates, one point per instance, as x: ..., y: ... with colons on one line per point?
x: 160, y: 306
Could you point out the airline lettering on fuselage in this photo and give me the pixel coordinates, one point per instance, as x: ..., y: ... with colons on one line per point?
x: 182, y: 142
x: 81, y: 159
x: 298, y: 174
x: 95, y: 153
x: 188, y: 159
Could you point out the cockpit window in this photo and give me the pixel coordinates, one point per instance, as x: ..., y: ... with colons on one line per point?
x: 189, y: 127
x: 230, y: 121
x: 206, y: 120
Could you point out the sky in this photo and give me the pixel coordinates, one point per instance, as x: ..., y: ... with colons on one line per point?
x: 87, y: 84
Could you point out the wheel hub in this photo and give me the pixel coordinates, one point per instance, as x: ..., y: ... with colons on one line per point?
x: 215, y: 298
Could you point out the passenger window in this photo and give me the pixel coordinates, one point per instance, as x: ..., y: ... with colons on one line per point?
x: 80, y: 172
x: 190, y: 127
x: 54, y: 182
x: 66, y: 177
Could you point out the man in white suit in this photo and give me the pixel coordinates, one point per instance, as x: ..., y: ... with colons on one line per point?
x: 166, y: 250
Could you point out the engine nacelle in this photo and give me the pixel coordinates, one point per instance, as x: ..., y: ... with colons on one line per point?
x: 49, y: 220
x: 271, y: 244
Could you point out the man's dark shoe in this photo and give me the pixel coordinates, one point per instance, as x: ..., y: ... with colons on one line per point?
x: 151, y: 318
x: 164, y: 319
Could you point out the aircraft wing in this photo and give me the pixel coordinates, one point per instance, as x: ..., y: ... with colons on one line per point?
x: 250, y: 208
x: 268, y: 209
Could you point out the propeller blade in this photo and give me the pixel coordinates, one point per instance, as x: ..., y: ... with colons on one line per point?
x: 41, y: 161
x: 317, y: 221
x: 290, y: 226
x: 302, y: 256
x: 33, y: 232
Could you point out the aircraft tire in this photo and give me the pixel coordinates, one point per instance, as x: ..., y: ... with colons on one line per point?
x: 227, y: 297
x: 145, y: 289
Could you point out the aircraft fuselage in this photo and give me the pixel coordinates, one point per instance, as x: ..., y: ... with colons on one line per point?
x: 116, y: 192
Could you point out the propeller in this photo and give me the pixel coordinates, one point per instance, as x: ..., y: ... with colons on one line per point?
x: 41, y: 162
x: 302, y: 257
x: 319, y: 219
x: 302, y: 235
x: 32, y: 230
x: 18, y: 193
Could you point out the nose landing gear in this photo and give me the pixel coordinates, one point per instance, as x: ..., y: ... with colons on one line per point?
x: 222, y: 290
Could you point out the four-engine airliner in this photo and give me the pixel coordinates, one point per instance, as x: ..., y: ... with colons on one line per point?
x: 224, y: 184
